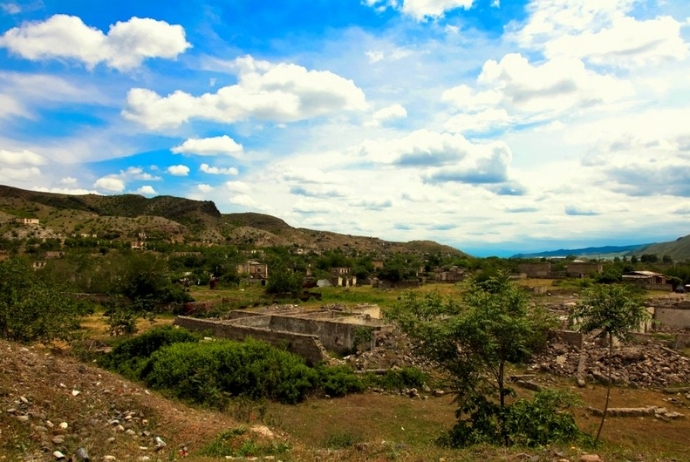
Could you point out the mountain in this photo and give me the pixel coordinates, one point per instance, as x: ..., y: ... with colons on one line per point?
x: 130, y: 216
x: 601, y: 252
x: 679, y: 249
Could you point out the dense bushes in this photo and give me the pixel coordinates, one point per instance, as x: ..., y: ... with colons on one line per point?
x: 207, y: 372
x: 210, y: 372
x: 131, y: 356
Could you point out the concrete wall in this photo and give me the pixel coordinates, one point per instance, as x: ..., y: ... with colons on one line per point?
x: 677, y: 317
x: 535, y: 270
x: 335, y: 336
x: 569, y: 337
x: 307, y: 346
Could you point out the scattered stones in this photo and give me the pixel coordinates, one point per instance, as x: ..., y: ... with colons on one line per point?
x: 590, y: 458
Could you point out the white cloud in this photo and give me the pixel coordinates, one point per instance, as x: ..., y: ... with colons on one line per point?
x: 218, y: 145
x: 146, y: 191
x: 206, y: 168
x: 205, y: 188
x: 71, y: 191
x: 421, y: 9
x: 110, y: 183
x: 395, y: 111
x: 137, y: 173
x: 24, y: 157
x: 178, y: 170
x: 516, y: 91
x: 10, y: 106
x: 237, y: 187
x: 626, y: 43
x: 265, y: 91
x: 25, y: 173
x: 374, y: 56
x: 68, y: 180
x: 125, y: 46
x: 10, y: 8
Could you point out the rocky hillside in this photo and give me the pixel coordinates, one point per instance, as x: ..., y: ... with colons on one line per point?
x: 679, y: 249
x: 172, y: 218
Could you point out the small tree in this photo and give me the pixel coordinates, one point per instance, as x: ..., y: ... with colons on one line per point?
x: 474, y: 341
x: 614, y: 311
x: 35, y: 309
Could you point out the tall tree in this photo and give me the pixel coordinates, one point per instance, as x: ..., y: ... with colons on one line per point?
x: 613, y: 311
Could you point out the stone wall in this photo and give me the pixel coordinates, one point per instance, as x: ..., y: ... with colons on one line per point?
x: 307, y: 346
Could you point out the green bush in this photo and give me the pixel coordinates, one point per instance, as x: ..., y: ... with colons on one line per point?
x: 533, y: 423
x: 205, y: 373
x: 398, y: 379
x: 131, y: 356
x: 339, y: 381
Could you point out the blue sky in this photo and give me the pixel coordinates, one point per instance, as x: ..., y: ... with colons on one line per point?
x: 494, y: 126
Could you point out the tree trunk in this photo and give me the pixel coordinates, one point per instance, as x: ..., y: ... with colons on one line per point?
x: 608, y: 390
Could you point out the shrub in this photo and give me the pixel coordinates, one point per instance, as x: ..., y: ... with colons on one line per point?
x: 339, y: 381
x: 533, y: 423
x: 130, y: 357
x: 205, y: 372
x: 398, y: 379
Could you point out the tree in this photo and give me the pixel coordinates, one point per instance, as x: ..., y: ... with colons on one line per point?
x: 614, y: 311
x: 474, y: 341
x: 283, y: 281
x: 33, y: 309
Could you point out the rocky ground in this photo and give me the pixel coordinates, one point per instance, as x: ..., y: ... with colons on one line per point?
x: 53, y: 406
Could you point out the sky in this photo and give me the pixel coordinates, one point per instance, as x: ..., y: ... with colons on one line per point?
x: 494, y: 126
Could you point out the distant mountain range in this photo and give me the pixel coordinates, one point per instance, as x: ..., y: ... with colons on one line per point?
x: 678, y: 250
x: 130, y: 216
x: 604, y: 252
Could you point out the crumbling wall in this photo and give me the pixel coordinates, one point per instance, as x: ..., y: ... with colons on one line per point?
x: 673, y: 317
x: 307, y: 346
x: 335, y: 336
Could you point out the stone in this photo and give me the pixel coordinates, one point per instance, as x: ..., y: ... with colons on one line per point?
x: 64, y: 425
x: 590, y: 458
x: 58, y: 455
x: 58, y: 439
x: 82, y: 455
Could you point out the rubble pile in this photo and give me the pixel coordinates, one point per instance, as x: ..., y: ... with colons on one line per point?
x: 393, y: 349
x: 649, y: 366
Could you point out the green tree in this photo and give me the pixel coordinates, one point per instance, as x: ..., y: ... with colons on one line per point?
x: 282, y: 280
x: 33, y: 309
x: 614, y: 311
x: 474, y: 341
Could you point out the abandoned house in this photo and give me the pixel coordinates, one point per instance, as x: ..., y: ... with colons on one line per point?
x: 256, y: 272
x: 310, y: 334
x: 341, y: 277
x: 648, y: 280
x: 535, y: 270
x: 583, y: 269
x: 27, y: 221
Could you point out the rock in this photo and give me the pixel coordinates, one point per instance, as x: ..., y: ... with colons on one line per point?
x: 109, y: 458
x: 64, y: 425
x: 130, y: 432
x: 82, y: 455
x: 58, y: 439
x: 23, y: 418
x: 590, y: 458
x: 439, y: 392
x: 58, y: 455
x: 160, y: 444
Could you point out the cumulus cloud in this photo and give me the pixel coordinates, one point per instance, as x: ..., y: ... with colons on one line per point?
x: 395, y: 111
x: 68, y: 180
x: 24, y: 157
x: 125, y: 46
x: 264, y: 91
x: 10, y: 8
x: 70, y: 191
x: 110, y: 183
x: 601, y: 32
x: 206, y: 168
x: 205, y: 188
x: 487, y: 165
x: 627, y: 43
x: 421, y: 9
x: 146, y: 191
x: 22, y: 173
x: 178, y: 170
x: 219, y: 145
x: 513, y: 90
